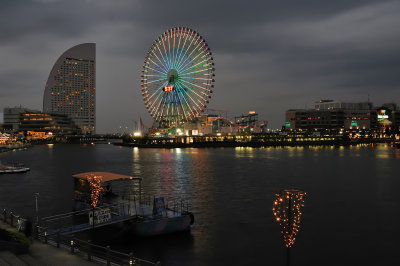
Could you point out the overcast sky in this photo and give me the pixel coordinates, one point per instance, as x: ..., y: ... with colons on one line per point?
x: 269, y: 56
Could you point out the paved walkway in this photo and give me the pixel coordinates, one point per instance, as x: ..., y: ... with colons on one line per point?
x: 45, y: 254
x: 49, y: 255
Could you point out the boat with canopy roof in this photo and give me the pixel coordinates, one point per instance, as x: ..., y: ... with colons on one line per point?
x: 119, y: 197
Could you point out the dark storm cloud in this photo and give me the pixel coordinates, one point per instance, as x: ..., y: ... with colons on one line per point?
x: 270, y: 55
x: 13, y: 83
x: 20, y: 19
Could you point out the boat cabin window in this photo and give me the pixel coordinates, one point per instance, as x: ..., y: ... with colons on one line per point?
x: 81, y: 186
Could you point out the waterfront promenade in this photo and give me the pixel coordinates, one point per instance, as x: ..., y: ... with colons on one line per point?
x: 14, y: 146
x: 41, y: 254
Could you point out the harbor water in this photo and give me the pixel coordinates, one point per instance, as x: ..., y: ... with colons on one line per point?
x: 351, y: 213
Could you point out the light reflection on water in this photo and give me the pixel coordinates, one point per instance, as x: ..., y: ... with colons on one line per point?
x: 352, y: 195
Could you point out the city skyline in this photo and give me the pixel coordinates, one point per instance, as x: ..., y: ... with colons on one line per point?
x: 269, y: 56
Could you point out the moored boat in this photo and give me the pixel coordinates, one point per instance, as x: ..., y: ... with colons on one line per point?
x: 139, y: 215
x: 6, y: 168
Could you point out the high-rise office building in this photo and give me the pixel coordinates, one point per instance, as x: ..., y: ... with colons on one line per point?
x: 71, y: 86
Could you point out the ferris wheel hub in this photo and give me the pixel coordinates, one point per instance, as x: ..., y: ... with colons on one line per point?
x: 172, y: 76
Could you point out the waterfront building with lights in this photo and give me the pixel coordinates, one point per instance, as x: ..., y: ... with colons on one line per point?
x: 332, y: 115
x: 11, y: 117
x: 356, y: 119
x: 41, y: 125
x: 71, y: 86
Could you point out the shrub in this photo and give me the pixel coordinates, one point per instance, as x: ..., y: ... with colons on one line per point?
x: 12, y: 236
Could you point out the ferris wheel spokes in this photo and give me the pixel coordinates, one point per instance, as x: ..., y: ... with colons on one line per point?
x: 177, y: 76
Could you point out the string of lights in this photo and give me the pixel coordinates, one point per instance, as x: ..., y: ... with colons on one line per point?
x: 95, y: 188
x: 287, y: 211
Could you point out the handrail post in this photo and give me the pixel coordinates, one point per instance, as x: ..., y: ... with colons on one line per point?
x: 19, y: 222
x: 72, y: 246
x: 108, y: 255
x: 36, y: 231
x: 12, y: 219
x: 5, y: 215
x: 130, y: 259
x: 45, y: 235
x: 89, y: 252
x: 140, y: 191
x: 58, y: 239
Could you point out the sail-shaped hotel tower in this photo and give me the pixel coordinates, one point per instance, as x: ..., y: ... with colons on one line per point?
x: 71, y: 87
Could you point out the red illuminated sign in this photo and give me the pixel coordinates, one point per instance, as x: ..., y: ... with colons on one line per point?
x: 168, y: 88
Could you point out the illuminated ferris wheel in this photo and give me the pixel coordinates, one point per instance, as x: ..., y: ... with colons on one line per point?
x: 177, y: 77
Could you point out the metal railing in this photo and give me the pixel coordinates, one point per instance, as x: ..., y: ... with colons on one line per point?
x: 181, y: 203
x: 85, y: 249
x: 178, y: 205
x: 13, y: 219
x: 90, y: 251
x: 48, y: 231
x: 74, y: 221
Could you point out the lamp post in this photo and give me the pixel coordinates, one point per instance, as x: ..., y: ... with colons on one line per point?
x: 286, y: 209
x: 36, y: 195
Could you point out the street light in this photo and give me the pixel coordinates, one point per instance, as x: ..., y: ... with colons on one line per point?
x: 36, y: 207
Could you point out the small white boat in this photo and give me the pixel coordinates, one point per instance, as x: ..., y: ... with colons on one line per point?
x: 7, y: 169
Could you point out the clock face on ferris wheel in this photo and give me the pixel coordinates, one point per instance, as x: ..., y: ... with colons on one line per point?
x: 177, y: 77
